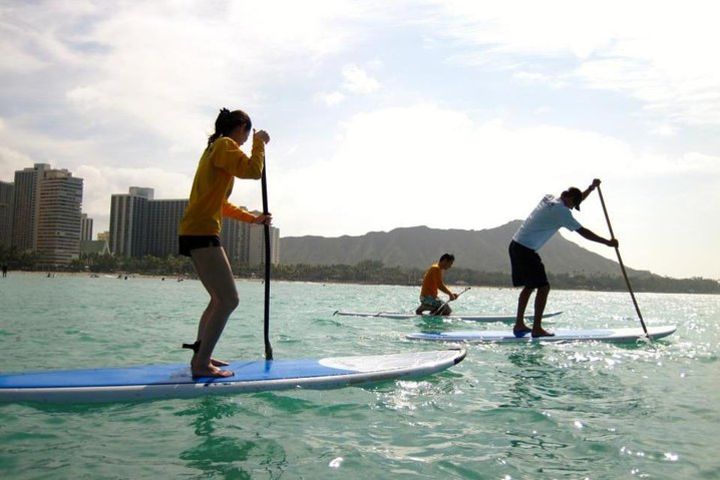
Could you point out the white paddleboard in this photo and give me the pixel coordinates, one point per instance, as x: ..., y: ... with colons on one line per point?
x: 472, y: 317
x: 175, y: 381
x: 561, y: 335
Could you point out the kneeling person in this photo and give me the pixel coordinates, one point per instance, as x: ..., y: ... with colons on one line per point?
x: 432, y: 282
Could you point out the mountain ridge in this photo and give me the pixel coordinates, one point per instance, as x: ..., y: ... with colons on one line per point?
x: 416, y: 247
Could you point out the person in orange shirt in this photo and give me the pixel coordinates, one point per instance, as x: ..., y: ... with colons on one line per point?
x: 199, y: 230
x: 432, y: 282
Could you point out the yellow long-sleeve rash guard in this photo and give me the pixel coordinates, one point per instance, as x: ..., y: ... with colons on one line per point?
x: 219, y: 164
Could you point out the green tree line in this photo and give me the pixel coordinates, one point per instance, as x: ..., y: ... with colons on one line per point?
x: 368, y: 271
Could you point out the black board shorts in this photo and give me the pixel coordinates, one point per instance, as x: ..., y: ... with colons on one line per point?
x: 188, y: 243
x: 527, y: 267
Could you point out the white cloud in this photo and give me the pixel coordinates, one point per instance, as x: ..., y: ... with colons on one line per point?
x: 659, y: 52
x: 11, y: 161
x: 87, y: 159
x: 160, y: 65
x: 699, y: 163
x: 392, y: 167
x: 664, y: 130
x: 29, y: 36
x: 15, y: 60
x: 100, y: 182
x: 358, y: 81
x: 554, y: 81
x: 332, y: 98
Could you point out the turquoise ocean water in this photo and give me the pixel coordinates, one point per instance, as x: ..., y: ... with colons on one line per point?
x: 576, y: 411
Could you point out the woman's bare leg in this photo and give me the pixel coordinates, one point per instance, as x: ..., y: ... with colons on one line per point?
x: 201, y: 328
x: 213, y: 269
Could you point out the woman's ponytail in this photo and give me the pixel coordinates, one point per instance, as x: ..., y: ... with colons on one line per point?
x: 228, y: 121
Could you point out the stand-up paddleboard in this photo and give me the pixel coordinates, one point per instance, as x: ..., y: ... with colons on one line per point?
x: 174, y: 381
x: 561, y: 335
x: 406, y: 316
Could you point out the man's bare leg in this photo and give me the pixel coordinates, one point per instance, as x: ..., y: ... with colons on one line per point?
x: 540, y: 301
x: 520, y: 326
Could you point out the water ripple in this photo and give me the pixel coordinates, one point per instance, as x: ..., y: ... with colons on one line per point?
x: 585, y: 410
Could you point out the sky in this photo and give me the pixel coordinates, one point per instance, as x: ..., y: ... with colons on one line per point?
x: 447, y: 113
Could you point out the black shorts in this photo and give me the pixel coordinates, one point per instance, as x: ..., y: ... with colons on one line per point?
x: 191, y: 242
x: 527, y: 267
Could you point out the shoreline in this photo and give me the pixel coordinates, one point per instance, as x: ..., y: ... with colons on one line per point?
x: 181, y: 278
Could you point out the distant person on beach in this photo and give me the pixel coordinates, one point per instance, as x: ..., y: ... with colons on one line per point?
x: 200, y: 227
x: 4, y: 270
x: 432, y: 282
x: 528, y: 270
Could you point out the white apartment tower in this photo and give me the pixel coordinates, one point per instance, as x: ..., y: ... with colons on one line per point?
x: 58, y: 217
x: 46, y: 213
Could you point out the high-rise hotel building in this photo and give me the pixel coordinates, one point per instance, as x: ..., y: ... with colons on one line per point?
x: 58, y: 217
x: 255, y: 247
x: 141, y: 225
x: 164, y: 218
x: 234, y: 237
x: 128, y: 222
x: 46, y: 213
x: 26, y: 206
x: 7, y: 195
x: 86, y: 228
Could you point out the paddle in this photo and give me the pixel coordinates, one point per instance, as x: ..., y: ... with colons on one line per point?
x: 622, y: 267
x: 268, y: 347
x: 440, y: 308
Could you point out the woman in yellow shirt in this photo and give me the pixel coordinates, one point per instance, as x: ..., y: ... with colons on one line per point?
x: 199, y: 230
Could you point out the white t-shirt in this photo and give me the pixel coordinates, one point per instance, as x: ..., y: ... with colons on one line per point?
x: 547, y: 218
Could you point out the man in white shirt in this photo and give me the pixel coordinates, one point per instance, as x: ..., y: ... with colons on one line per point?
x: 528, y: 270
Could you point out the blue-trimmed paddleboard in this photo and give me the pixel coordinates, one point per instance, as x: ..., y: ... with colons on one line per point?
x: 506, y: 336
x: 460, y: 316
x: 175, y: 381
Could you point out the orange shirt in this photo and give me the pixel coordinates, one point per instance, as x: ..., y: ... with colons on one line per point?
x: 432, y: 281
x: 220, y: 163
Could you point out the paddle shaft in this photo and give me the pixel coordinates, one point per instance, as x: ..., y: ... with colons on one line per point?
x: 622, y: 266
x: 440, y: 308
x: 266, y: 331
x: 431, y: 313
